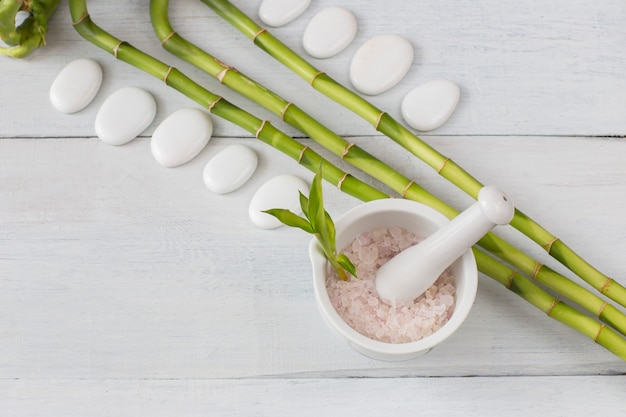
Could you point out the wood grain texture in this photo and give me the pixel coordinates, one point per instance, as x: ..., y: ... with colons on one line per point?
x: 114, y: 266
x: 523, y: 69
x: 571, y: 396
x: 127, y: 288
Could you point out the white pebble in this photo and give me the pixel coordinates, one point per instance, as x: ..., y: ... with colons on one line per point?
x: 430, y: 105
x: 278, y: 192
x: 329, y: 32
x: 280, y: 12
x: 124, y: 115
x: 230, y: 169
x: 181, y: 136
x: 76, y: 85
x: 380, y: 63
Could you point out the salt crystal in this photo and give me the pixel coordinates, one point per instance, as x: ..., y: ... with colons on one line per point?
x: 357, y: 302
x: 405, y: 242
x: 362, y: 239
x: 378, y: 232
x: 395, y: 232
x: 447, y: 299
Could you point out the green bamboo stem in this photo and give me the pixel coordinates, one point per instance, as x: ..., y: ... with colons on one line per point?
x: 83, y: 24
x: 289, y: 112
x: 263, y: 130
x: 553, y: 307
x: 384, y: 123
x: 353, y: 154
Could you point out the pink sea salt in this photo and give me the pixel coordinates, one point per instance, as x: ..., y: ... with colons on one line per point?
x: 357, y: 301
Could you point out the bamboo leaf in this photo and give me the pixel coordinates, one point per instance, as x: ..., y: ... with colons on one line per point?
x: 304, y: 204
x: 341, y: 273
x: 316, y: 202
x: 325, y: 228
x: 330, y: 231
x: 346, y: 264
x: 291, y: 219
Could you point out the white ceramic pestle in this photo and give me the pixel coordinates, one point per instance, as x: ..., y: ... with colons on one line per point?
x: 414, y: 270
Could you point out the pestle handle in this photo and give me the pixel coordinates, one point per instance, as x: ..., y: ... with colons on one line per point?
x: 414, y: 270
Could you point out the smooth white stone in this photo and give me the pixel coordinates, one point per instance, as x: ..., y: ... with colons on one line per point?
x: 230, y: 169
x: 329, y: 32
x: 380, y: 63
x: 430, y: 105
x: 280, y: 12
x: 181, y: 136
x: 278, y: 192
x: 76, y: 85
x: 124, y: 115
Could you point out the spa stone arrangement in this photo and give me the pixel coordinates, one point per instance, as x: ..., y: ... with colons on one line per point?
x: 378, y: 65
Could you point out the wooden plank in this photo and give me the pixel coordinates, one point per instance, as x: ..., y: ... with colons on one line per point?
x: 467, y: 397
x: 129, y: 289
x: 524, y: 69
x: 115, y: 267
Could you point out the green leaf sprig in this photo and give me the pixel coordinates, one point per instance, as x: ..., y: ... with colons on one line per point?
x: 317, y: 222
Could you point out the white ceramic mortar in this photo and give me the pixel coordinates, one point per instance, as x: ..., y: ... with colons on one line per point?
x: 419, y: 219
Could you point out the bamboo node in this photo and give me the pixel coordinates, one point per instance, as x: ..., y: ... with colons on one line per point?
x: 406, y: 188
x: 511, y: 278
x: 604, y: 304
x: 225, y: 65
x: 258, y: 132
x: 116, y: 49
x: 317, y: 74
x: 346, y: 149
x: 341, y: 180
x: 167, y: 74
x: 213, y: 103
x: 220, y: 76
x: 548, y: 246
x: 262, y: 30
x: 378, y: 119
x: 80, y: 19
x: 554, y: 303
x: 304, y: 148
x: 443, y: 165
x: 167, y: 38
x: 602, y: 326
x: 605, y: 285
x: 282, y: 113
x: 538, y: 267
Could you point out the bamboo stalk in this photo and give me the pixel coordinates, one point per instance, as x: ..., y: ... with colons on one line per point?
x: 553, y: 307
x: 353, y: 154
x: 261, y: 129
x: 385, y: 124
x: 83, y: 24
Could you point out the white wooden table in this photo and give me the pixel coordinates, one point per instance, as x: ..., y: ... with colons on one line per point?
x: 129, y: 289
